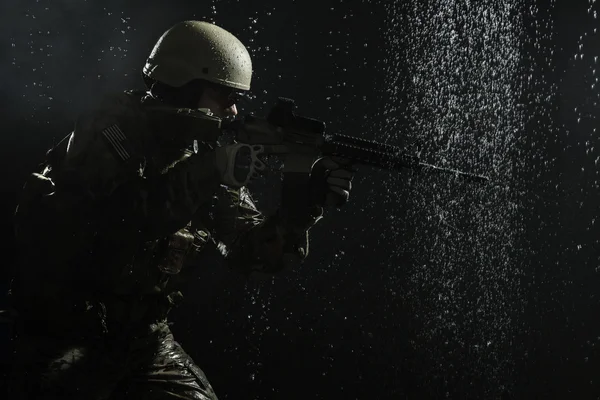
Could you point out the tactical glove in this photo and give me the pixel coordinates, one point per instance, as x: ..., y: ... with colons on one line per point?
x: 331, y: 181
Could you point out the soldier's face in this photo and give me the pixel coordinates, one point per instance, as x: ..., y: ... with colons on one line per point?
x: 221, y: 104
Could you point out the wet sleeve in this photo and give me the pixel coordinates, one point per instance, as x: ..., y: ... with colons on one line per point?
x: 248, y: 240
x: 108, y: 166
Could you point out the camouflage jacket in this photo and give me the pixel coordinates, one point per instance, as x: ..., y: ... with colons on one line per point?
x: 117, y: 210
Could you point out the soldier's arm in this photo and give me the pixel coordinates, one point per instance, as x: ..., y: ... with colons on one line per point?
x: 250, y: 241
x: 105, y: 164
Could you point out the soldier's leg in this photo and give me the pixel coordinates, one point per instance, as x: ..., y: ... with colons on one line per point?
x: 47, y: 368
x: 170, y: 373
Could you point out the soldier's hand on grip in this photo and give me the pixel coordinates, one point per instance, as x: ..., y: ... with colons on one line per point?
x: 239, y: 163
x: 331, y: 181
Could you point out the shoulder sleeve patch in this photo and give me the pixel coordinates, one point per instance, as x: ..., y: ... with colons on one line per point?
x: 117, y: 142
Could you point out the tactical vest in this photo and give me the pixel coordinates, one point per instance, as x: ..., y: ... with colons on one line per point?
x: 141, y: 285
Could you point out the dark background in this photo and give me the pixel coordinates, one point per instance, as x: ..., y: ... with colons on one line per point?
x: 421, y: 287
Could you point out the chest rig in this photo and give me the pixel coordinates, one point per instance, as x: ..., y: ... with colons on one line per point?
x: 178, y: 133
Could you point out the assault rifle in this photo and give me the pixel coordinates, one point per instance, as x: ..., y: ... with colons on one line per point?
x: 299, y: 141
x: 298, y: 138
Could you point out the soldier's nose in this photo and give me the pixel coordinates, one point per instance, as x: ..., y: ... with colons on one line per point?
x: 231, y: 110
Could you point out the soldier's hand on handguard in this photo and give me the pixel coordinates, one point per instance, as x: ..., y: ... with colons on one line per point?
x: 331, y: 181
x: 239, y: 163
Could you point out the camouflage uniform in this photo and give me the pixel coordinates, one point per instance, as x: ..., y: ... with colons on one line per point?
x: 103, y: 231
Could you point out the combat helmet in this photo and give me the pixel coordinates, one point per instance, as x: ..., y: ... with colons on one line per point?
x: 192, y: 50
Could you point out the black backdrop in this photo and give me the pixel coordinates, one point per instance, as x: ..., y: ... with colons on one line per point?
x: 345, y: 325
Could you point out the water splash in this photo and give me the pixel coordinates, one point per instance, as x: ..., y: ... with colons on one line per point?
x: 462, y: 107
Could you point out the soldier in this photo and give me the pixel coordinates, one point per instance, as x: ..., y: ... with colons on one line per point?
x: 105, y: 228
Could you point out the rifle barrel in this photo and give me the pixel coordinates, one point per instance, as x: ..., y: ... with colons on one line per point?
x: 465, y: 175
x: 386, y: 156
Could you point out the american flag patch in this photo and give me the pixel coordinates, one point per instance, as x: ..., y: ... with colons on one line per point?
x: 116, y: 139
